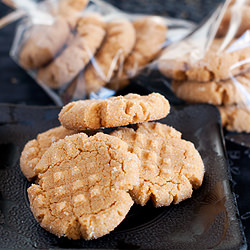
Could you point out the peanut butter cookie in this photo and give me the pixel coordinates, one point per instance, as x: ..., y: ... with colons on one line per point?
x: 63, y: 69
x: 181, y: 63
x: 43, y: 43
x: 244, y: 23
x: 34, y: 149
x: 114, y: 111
x: 70, y: 10
x: 83, y: 186
x: 150, y: 38
x: 235, y: 118
x: 226, y: 92
x: 170, y: 166
x: 119, y: 42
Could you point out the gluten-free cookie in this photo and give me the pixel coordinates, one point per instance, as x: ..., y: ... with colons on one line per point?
x: 83, y: 186
x: 34, y: 149
x: 235, y: 118
x: 119, y: 42
x: 150, y: 38
x: 170, y: 166
x: 64, y: 68
x: 114, y: 111
x: 180, y: 62
x: 226, y: 92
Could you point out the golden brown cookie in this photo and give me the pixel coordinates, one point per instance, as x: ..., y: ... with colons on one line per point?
x: 34, y: 149
x: 64, y: 68
x: 83, y: 186
x: 170, y: 166
x: 114, y: 111
x: 235, y: 118
x: 246, y: 2
x: 77, y: 5
x: 179, y: 62
x: 226, y: 92
x: 244, y: 23
x: 43, y: 43
x: 119, y: 42
x: 70, y: 10
x: 150, y: 36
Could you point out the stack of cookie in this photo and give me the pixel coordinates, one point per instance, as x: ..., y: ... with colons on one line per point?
x: 84, y: 53
x: 86, y: 182
x: 219, y: 75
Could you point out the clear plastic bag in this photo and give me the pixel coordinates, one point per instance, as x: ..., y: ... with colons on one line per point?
x: 90, y: 50
x: 212, y: 64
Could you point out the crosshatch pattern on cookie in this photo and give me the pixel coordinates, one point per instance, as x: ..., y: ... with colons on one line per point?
x: 83, y: 186
x: 170, y: 166
x: 34, y: 149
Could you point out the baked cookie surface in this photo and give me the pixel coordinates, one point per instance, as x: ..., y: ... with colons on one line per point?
x: 170, y: 166
x: 83, y: 186
x: 218, y: 93
x: 70, y: 10
x: 235, y: 118
x: 34, y: 149
x: 114, y: 111
x: 150, y: 37
x: 244, y: 24
x: 119, y: 42
x: 63, y: 69
x: 44, y: 43
x: 217, y: 64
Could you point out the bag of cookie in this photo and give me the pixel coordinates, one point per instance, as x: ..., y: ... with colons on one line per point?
x: 212, y: 64
x: 90, y: 49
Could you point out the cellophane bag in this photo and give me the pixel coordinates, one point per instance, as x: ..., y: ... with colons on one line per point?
x: 212, y: 64
x: 79, y: 49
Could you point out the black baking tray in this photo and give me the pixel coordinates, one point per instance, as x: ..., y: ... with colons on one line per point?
x: 208, y: 220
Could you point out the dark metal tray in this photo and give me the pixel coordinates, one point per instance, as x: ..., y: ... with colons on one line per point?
x: 208, y: 220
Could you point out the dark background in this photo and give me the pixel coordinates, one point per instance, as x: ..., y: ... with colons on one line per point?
x: 17, y: 87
